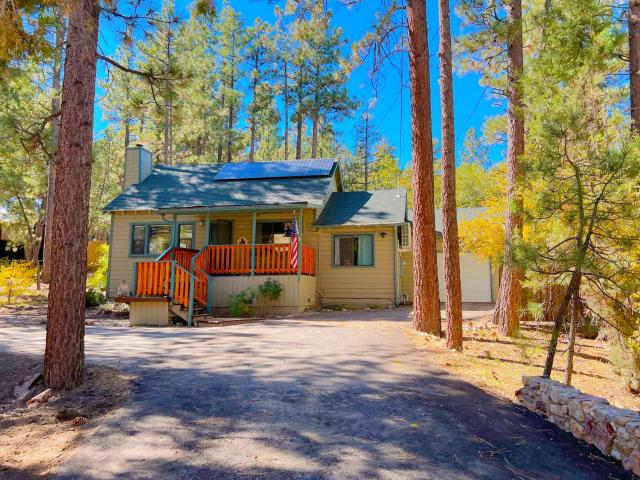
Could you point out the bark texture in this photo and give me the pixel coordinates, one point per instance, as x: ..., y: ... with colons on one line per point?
x: 510, y: 293
x: 55, y: 134
x: 426, y: 304
x: 634, y: 63
x: 64, y: 352
x: 451, y: 246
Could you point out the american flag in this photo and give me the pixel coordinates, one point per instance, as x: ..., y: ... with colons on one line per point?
x: 293, y: 256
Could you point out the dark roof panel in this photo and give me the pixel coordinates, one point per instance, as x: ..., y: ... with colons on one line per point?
x: 261, y: 170
x: 375, y: 207
x: 193, y: 186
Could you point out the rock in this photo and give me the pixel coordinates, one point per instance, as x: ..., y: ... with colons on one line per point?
x: 42, y: 397
x: 632, y: 462
x: 22, y: 391
x: 575, y: 410
x: 576, y: 429
x: 77, y: 421
x: 69, y: 414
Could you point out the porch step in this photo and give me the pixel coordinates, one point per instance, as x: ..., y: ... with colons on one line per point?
x: 211, y: 321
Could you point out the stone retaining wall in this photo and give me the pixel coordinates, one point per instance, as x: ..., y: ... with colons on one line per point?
x: 614, y: 431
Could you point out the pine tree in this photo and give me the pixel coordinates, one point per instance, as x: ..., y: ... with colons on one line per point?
x: 634, y: 63
x: 261, y: 59
x: 367, y: 137
x: 231, y: 43
x: 64, y: 351
x: 426, y: 308
x: 451, y: 247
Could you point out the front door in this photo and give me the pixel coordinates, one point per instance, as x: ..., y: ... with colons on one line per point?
x: 220, y: 233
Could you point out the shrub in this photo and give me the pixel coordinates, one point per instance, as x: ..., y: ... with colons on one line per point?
x: 98, y: 279
x: 270, y: 290
x: 94, y: 297
x: 116, y: 309
x: 15, y: 278
x: 241, y: 303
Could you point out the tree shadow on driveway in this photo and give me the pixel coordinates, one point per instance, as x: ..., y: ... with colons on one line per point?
x: 311, y: 400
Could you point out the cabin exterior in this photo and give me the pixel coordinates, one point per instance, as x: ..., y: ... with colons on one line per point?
x: 185, y: 238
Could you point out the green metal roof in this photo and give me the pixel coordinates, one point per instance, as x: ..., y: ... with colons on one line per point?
x: 375, y: 207
x: 176, y: 187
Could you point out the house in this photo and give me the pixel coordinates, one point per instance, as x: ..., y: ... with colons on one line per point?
x: 185, y: 238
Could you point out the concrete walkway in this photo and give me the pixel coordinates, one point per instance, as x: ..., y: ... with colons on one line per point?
x: 328, y: 396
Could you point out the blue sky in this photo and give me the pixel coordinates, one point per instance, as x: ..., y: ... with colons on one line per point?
x: 391, y: 114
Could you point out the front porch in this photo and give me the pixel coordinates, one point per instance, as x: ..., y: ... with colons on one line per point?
x: 199, y: 281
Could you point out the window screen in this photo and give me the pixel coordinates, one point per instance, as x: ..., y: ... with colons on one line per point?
x: 137, y: 239
x: 185, y: 239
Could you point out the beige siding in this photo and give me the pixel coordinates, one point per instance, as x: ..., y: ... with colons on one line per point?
x: 356, y: 285
x: 121, y: 263
x: 149, y: 313
x: 477, y: 277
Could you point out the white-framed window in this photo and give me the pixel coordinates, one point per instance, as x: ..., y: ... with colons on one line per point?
x: 353, y: 250
x: 405, y: 235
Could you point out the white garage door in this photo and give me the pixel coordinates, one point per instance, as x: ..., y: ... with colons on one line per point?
x: 475, y: 277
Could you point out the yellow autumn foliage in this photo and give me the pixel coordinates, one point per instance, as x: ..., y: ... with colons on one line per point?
x: 15, y: 278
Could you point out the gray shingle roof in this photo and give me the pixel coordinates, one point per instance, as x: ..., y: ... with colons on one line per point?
x: 375, y: 207
x: 464, y: 213
x: 193, y: 186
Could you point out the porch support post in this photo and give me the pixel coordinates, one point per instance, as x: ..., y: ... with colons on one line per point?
x: 207, y: 232
x: 299, y: 244
x: 174, y: 231
x: 253, y: 242
x: 192, y: 291
x: 172, y: 280
x: 135, y: 280
x: 209, y: 293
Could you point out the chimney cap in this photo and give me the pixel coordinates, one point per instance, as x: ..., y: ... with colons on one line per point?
x: 139, y: 145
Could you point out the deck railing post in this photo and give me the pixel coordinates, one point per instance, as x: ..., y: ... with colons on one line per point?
x: 209, y: 294
x: 135, y: 279
x: 172, y: 280
x: 253, y: 243
x: 300, y: 244
x: 192, y: 292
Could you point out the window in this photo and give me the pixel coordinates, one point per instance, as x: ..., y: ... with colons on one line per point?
x: 266, y: 231
x: 152, y: 239
x: 185, y: 235
x: 405, y: 236
x: 138, y: 239
x: 353, y: 250
x: 220, y: 233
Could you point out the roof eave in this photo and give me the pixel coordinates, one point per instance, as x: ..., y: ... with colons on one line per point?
x: 229, y: 208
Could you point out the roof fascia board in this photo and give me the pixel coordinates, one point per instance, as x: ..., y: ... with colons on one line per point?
x: 231, y: 209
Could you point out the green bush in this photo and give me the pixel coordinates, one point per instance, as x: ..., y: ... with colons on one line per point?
x: 241, y: 303
x: 94, y: 297
x: 270, y: 290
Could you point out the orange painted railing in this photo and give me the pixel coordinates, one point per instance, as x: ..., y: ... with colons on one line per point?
x: 181, y: 255
x: 308, y: 260
x: 270, y: 259
x: 181, y: 287
x: 153, y: 278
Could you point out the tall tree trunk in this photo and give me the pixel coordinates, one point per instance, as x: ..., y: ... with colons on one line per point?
x: 314, y: 135
x: 286, y: 112
x: 230, y: 122
x: 634, y: 63
x: 55, y: 134
x: 366, y: 152
x: 299, y: 136
x: 510, y: 293
x: 453, y: 291
x: 220, y: 140
x: 426, y: 307
x: 64, y: 351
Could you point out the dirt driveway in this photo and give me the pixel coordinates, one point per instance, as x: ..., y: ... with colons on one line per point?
x: 332, y: 395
